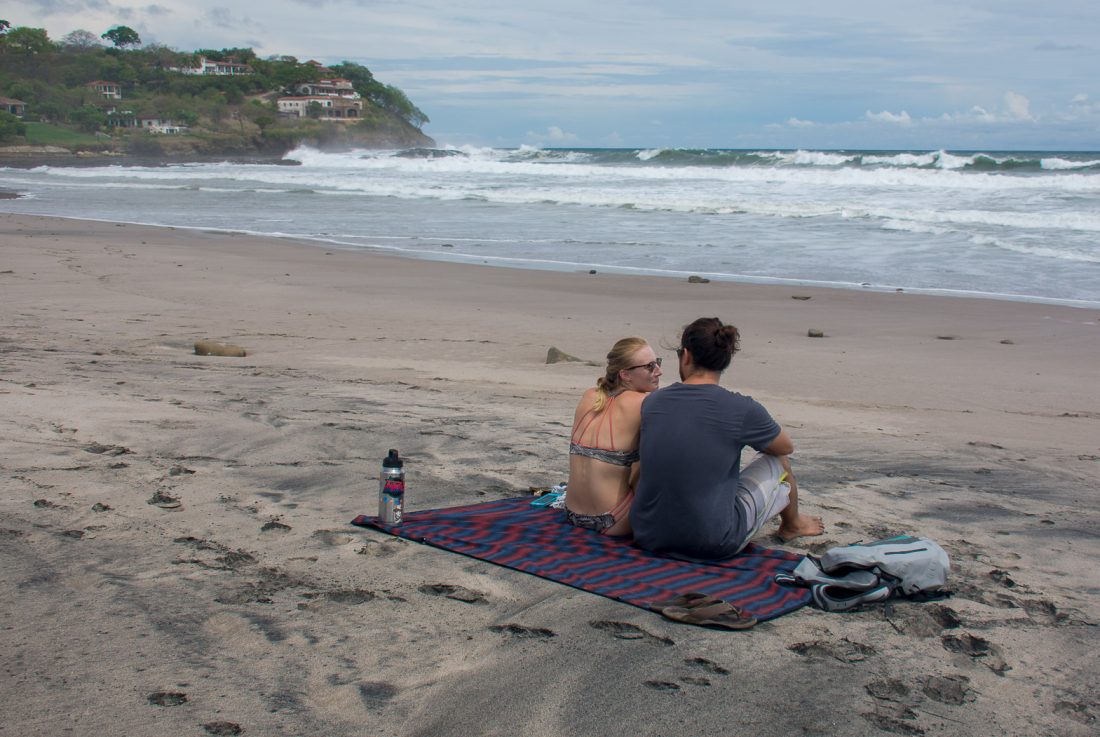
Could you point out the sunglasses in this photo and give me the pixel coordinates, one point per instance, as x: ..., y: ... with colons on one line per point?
x: 650, y: 367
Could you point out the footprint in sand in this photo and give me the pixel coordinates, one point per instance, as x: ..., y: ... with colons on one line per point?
x: 952, y: 690
x: 1046, y: 612
x: 977, y: 648
x: 110, y: 450
x: 164, y: 500
x: 451, y: 591
x: 377, y: 693
x: 167, y: 698
x: 845, y: 650
x: 895, y: 725
x: 1075, y: 711
x: 381, y: 549
x: 332, y: 537
x: 921, y: 621
x: 627, y: 631
x: 222, y: 729
x: 888, y: 689
x: 521, y: 632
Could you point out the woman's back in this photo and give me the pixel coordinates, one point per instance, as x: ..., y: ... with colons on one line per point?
x: 603, y: 446
x: 603, y: 452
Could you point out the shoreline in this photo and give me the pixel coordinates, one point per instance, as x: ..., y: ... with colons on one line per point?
x: 182, y: 523
x: 531, y: 265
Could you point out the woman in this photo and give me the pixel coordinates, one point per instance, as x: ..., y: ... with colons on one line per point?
x: 603, y: 448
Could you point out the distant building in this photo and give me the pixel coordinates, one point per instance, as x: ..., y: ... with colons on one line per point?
x: 331, y: 107
x: 332, y: 87
x: 208, y: 68
x: 18, y: 108
x: 109, y: 90
x: 126, y: 119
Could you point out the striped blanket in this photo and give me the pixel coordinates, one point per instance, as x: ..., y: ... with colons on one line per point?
x: 537, y: 540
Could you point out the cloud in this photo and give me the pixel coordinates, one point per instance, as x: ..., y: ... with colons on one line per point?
x: 796, y: 123
x: 1081, y: 108
x: 553, y: 134
x: 59, y: 7
x: 557, y: 135
x: 224, y: 18
x: 886, y: 116
x: 1018, y: 106
x: 1051, y: 46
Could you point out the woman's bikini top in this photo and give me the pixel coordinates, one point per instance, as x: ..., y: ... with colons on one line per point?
x: 605, y: 455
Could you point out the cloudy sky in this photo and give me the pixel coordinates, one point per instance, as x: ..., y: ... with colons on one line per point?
x: 926, y: 74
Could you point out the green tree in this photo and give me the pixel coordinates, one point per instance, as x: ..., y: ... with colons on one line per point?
x: 186, y: 116
x: 245, y: 55
x: 359, y: 76
x: 29, y: 41
x: 10, y: 126
x: 21, y: 90
x: 122, y: 36
x: 88, y: 118
x: 394, y: 100
x: 264, y: 116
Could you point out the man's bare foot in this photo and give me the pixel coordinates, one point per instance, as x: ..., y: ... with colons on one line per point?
x: 804, y: 526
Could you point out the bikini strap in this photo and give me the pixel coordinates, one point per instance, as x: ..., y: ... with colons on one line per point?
x: 610, y: 423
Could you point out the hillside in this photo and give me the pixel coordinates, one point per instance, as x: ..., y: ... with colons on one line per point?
x: 152, y: 101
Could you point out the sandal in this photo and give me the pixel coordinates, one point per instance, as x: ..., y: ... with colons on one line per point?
x: 712, y: 613
x: 687, y: 600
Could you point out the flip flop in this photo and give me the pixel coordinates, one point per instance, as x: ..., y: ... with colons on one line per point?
x: 687, y: 600
x: 717, y: 614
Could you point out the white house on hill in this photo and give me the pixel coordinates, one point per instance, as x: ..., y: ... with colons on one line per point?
x: 208, y: 68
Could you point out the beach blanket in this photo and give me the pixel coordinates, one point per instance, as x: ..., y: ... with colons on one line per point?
x: 538, y: 540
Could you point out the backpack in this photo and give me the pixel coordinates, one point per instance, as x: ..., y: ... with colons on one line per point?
x: 847, y: 577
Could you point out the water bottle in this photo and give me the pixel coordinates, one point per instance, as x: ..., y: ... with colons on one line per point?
x: 391, y: 489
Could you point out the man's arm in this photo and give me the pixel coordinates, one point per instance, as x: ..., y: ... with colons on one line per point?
x: 781, y: 446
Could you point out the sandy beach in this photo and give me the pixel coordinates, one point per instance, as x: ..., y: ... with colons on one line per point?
x: 176, y: 551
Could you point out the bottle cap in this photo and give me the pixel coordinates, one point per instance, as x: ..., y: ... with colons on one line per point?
x: 392, y: 460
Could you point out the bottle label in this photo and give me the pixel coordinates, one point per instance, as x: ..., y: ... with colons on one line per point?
x: 393, y: 498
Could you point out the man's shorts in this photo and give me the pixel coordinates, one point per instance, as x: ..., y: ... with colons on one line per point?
x: 761, y: 494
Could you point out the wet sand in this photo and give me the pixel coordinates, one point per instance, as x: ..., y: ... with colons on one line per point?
x: 174, y: 538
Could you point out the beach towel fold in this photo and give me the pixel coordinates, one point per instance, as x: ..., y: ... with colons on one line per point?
x: 537, y: 540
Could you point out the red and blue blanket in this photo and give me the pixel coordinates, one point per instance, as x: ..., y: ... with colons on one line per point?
x: 538, y: 540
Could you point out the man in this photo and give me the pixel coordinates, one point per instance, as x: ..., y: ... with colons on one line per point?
x: 692, y: 499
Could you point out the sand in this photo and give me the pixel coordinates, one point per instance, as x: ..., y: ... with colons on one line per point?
x: 176, y: 558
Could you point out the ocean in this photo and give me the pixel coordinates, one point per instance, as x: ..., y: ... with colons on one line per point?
x: 1004, y: 225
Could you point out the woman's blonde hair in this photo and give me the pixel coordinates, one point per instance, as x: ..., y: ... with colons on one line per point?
x: 618, y: 358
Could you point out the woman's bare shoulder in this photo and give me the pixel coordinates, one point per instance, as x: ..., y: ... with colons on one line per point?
x: 632, y: 398
x: 587, y: 400
x: 589, y: 396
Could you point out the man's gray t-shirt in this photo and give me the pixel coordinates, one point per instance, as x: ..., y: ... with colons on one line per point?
x: 692, y: 435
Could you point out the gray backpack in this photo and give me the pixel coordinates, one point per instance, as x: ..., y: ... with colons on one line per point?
x: 847, y: 577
